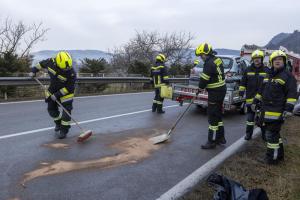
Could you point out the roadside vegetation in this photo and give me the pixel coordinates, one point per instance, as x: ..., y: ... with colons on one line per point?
x: 136, y: 57
x: 281, y: 182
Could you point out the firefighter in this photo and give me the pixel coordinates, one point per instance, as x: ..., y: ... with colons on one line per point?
x: 278, y: 95
x: 61, y: 88
x: 213, y: 80
x: 159, y: 77
x: 252, y: 78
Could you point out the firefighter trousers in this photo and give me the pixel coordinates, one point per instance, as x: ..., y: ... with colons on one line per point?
x: 61, y: 118
x: 216, y: 126
x: 259, y: 121
x: 275, y: 151
x: 157, y: 101
x: 250, y: 121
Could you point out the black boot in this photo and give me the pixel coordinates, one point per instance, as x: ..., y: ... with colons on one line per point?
x: 221, y: 140
x: 280, y: 151
x: 248, y: 136
x: 221, y: 136
x: 269, y: 156
x: 57, y: 125
x: 159, y: 109
x: 154, y: 107
x: 249, y: 132
x: 267, y: 161
x: 62, y: 134
x: 210, y: 144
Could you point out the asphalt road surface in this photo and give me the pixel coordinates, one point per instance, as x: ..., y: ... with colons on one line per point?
x: 118, y: 162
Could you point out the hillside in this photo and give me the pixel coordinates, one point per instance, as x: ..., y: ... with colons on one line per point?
x: 291, y: 41
x: 77, y: 55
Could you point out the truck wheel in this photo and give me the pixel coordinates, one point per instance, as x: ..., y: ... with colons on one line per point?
x: 243, y: 109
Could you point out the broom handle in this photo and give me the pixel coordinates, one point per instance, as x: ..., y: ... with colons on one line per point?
x: 180, y: 117
x: 65, y: 110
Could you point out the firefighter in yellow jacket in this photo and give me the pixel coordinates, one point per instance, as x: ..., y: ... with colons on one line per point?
x: 61, y: 88
x: 159, y: 77
x: 213, y: 80
x: 278, y: 95
x: 251, y: 81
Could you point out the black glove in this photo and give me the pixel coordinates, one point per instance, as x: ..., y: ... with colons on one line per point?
x: 253, y: 107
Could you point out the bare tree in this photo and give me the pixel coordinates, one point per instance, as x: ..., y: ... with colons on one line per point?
x: 20, y: 38
x: 37, y: 34
x: 145, y: 45
x: 176, y: 47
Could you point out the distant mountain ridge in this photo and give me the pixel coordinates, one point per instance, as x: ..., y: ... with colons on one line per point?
x: 227, y: 52
x: 291, y: 41
x: 77, y: 55
x: 220, y: 51
x: 278, y: 38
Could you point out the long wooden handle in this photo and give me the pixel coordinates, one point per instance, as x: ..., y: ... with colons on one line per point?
x: 180, y: 117
x: 66, y: 111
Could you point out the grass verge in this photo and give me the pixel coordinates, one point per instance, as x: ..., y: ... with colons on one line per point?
x: 280, y: 182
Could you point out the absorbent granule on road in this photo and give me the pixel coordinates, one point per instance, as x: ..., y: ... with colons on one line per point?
x: 56, y: 145
x: 132, y: 150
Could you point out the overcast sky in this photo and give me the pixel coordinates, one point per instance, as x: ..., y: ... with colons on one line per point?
x: 98, y: 24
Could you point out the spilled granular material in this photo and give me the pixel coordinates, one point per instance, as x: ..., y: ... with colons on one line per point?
x: 132, y: 151
x: 56, y: 145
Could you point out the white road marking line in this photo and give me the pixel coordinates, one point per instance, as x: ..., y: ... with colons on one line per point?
x: 83, y: 97
x: 190, y: 181
x: 82, y: 122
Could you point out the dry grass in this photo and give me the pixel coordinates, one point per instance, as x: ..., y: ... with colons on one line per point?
x: 280, y: 182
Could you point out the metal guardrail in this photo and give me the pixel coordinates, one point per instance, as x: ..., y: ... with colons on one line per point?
x: 18, y: 81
